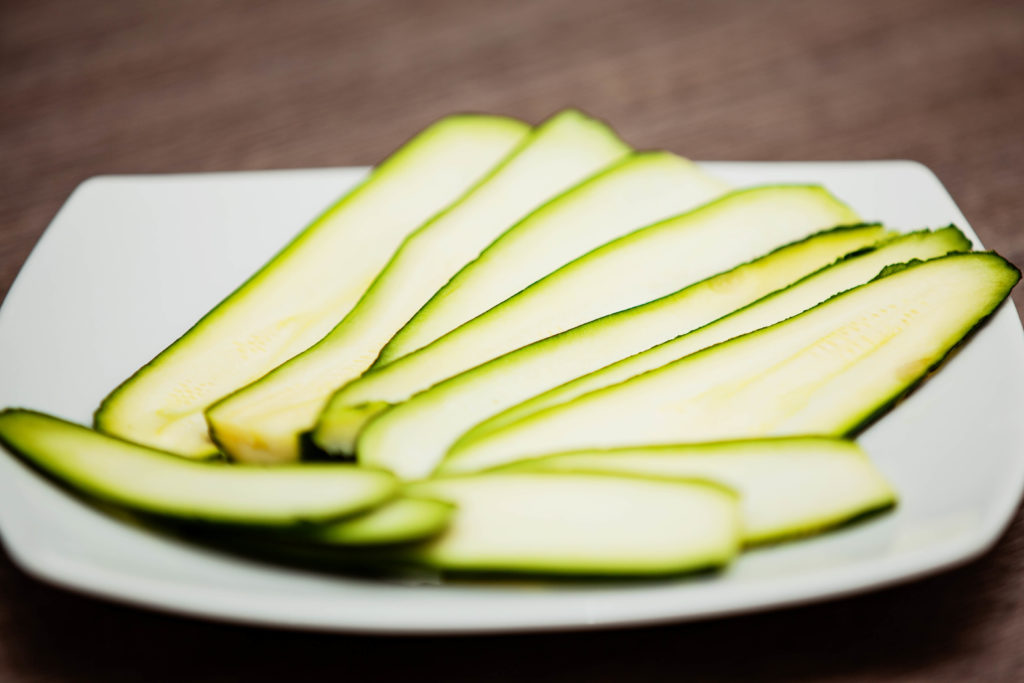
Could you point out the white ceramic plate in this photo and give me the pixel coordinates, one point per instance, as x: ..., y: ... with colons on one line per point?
x: 130, y: 262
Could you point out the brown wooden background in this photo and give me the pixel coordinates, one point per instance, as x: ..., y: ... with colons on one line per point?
x: 130, y: 87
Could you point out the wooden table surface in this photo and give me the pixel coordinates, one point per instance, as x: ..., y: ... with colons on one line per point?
x: 127, y: 87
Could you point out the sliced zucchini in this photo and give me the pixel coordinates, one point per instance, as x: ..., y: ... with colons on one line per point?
x: 306, y: 289
x: 787, y: 486
x: 580, y: 524
x: 433, y: 419
x: 402, y: 520
x: 261, y: 422
x: 848, y: 273
x: 827, y: 371
x: 632, y: 270
x: 645, y: 188
x: 160, y: 483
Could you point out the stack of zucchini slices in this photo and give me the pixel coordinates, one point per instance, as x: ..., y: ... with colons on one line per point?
x: 536, y: 350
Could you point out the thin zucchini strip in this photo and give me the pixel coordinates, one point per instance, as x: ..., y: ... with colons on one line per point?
x: 433, y: 419
x: 262, y: 421
x: 159, y: 483
x: 789, y: 486
x: 300, y: 294
x: 645, y: 188
x: 848, y: 273
x: 402, y: 520
x: 827, y: 371
x: 580, y: 524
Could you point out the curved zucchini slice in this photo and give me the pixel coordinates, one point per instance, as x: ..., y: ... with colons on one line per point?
x: 306, y: 289
x: 402, y: 520
x: 802, y: 295
x: 643, y: 189
x: 827, y: 371
x: 261, y: 422
x: 787, y: 486
x: 580, y: 524
x: 160, y: 483
x: 645, y: 265
x: 433, y: 419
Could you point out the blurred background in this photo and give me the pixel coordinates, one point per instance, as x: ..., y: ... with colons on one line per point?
x: 209, y: 85
x: 216, y: 85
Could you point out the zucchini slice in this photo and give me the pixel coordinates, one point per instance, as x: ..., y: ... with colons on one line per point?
x: 580, y: 524
x: 645, y: 265
x: 402, y: 520
x: 827, y: 371
x: 159, y: 483
x: 306, y: 289
x: 848, y: 273
x: 433, y: 419
x: 643, y: 189
x: 787, y: 486
x: 261, y: 422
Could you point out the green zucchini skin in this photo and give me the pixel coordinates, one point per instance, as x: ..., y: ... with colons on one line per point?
x: 788, y: 486
x: 642, y: 266
x: 402, y: 520
x: 849, y: 272
x: 823, y: 371
x: 579, y: 524
x: 275, y: 314
x: 436, y: 417
x: 161, y: 484
x: 643, y: 189
x: 261, y: 421
x: 399, y: 521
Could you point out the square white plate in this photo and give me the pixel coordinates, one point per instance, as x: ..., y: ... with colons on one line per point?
x: 130, y: 262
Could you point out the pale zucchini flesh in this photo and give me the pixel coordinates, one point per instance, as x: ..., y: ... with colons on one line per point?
x: 789, y: 486
x: 632, y: 270
x: 433, y: 419
x: 580, y: 524
x: 827, y: 371
x: 802, y: 295
x: 261, y: 422
x: 306, y: 289
x: 155, y: 482
x: 643, y: 189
